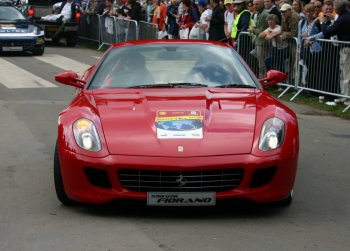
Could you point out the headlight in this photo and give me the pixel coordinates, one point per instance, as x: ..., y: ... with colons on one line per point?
x: 86, y: 135
x: 272, y: 134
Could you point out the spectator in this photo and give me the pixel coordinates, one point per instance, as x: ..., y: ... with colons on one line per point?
x: 289, y: 27
x: 65, y: 10
x: 149, y: 6
x: 328, y: 64
x: 260, y: 42
x: 242, y: 19
x: 229, y: 18
x: 133, y: 10
x: 279, y: 47
x: 159, y: 15
x: 272, y: 9
x: 95, y: 7
x: 250, y: 7
x: 186, y: 20
x: 340, y: 28
x: 310, y: 53
x: 109, y: 9
x: 297, y: 6
x: 217, y: 22
x: 329, y: 3
x: 172, y: 13
x: 326, y: 16
x: 84, y: 6
x: 203, y: 23
x: 318, y: 8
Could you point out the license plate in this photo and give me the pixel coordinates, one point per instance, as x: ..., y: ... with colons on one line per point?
x: 12, y: 48
x: 181, y: 199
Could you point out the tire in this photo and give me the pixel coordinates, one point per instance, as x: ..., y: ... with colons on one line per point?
x: 71, y: 44
x: 55, y: 40
x: 60, y: 191
x: 39, y: 52
x: 71, y: 40
x: 286, y: 202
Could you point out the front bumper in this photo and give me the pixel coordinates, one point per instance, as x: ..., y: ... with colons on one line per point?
x: 80, y: 188
x: 9, y: 44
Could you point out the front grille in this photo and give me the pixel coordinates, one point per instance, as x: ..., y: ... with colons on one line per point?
x: 193, y: 181
x: 23, y: 43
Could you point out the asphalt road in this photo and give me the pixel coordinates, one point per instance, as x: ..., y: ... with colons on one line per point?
x: 31, y: 217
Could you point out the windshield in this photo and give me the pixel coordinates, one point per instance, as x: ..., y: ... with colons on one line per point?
x: 10, y: 13
x: 171, y: 65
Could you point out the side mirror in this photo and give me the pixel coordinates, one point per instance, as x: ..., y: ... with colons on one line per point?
x: 272, y: 77
x: 70, y: 78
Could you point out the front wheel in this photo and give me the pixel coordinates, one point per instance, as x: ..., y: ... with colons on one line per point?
x: 286, y: 202
x: 59, y: 186
x: 39, y: 52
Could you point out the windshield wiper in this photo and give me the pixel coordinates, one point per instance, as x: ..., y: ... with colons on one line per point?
x: 234, y: 86
x: 149, y: 86
x: 186, y: 84
x: 172, y: 85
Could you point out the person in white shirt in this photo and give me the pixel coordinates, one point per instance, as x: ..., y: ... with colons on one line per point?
x: 64, y: 14
x: 279, y: 46
x: 203, y: 23
x: 229, y: 17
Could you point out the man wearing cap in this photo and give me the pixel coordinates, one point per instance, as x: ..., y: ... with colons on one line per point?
x: 260, y: 43
x: 242, y: 19
x: 217, y: 21
x: 290, y: 21
x: 229, y: 17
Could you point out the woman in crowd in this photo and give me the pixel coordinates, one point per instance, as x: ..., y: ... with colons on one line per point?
x: 310, y: 53
x: 186, y: 20
x: 279, y: 48
x: 297, y: 6
x: 318, y: 8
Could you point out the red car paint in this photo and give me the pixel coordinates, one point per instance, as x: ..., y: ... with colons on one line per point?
x: 125, y: 122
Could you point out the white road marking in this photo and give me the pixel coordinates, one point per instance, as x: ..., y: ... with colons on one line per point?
x: 64, y: 63
x: 14, y: 77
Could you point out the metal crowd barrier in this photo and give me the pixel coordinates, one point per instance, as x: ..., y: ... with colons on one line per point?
x: 324, y: 67
x: 266, y: 56
x: 108, y: 31
x: 89, y: 28
x: 147, y: 30
x: 131, y: 29
x: 116, y: 30
x: 326, y: 71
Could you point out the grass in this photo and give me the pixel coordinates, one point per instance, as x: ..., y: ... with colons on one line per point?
x: 311, y: 99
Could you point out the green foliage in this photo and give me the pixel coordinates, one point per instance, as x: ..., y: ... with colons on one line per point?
x: 312, y: 99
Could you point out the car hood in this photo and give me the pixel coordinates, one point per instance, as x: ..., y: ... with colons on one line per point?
x: 12, y: 28
x: 177, y: 122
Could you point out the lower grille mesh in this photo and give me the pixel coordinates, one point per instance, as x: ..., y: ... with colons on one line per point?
x: 23, y: 43
x: 168, y: 181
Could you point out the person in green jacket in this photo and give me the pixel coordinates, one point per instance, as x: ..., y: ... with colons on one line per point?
x: 260, y: 43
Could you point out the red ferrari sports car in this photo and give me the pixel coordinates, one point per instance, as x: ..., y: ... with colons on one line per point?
x: 174, y: 123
